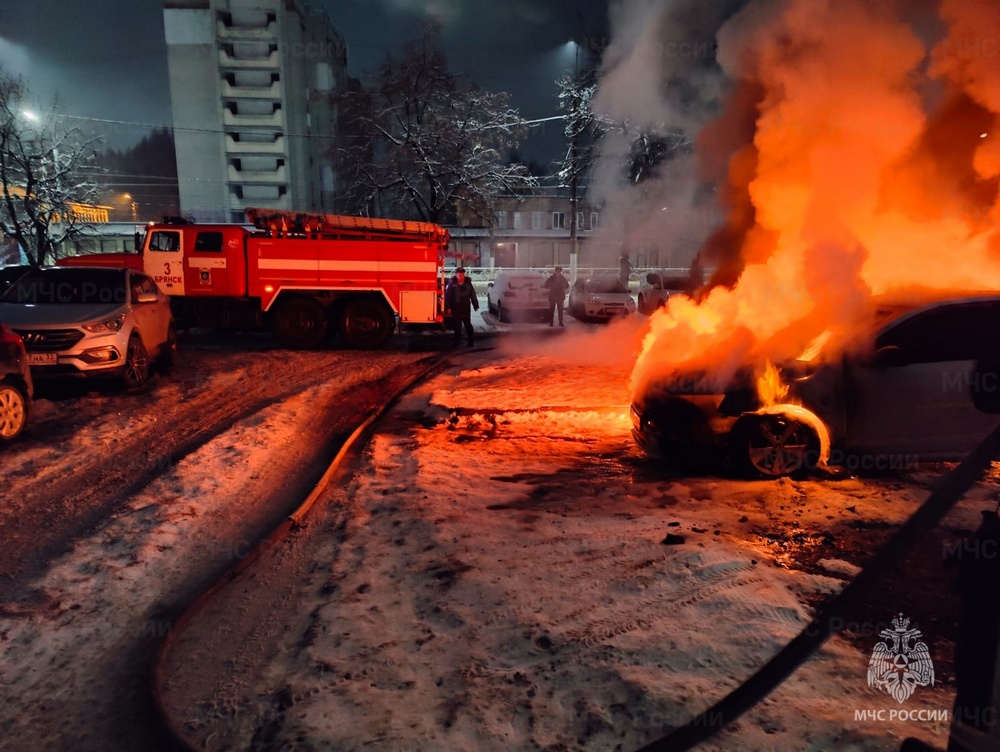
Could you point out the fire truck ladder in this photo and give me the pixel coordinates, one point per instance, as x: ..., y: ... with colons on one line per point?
x: 336, y: 226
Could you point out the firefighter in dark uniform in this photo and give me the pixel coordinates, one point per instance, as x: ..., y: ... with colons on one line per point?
x: 461, y: 300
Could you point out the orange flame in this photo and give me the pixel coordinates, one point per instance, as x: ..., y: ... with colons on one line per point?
x: 770, y: 388
x: 856, y: 181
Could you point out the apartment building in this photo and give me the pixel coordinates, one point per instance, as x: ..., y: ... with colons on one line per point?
x: 251, y: 87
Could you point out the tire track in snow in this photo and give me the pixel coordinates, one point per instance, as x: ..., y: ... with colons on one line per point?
x: 50, y: 514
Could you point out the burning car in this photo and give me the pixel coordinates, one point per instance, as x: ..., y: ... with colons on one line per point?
x: 923, y: 384
x: 601, y: 298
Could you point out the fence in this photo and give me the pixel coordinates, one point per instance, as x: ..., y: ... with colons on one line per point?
x: 488, y: 274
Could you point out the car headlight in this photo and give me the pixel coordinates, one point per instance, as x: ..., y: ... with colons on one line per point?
x: 630, y: 304
x: 108, y: 325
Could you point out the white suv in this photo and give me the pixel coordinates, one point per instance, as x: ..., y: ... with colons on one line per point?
x: 90, y: 322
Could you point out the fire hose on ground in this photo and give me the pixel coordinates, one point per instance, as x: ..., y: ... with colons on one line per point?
x: 295, y: 519
x: 944, y: 494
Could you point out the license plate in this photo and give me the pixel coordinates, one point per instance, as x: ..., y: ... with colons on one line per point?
x: 42, y: 359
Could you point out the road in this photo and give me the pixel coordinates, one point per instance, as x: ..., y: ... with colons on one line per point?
x: 118, y: 508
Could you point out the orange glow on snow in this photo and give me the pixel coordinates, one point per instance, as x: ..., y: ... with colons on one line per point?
x: 873, y: 167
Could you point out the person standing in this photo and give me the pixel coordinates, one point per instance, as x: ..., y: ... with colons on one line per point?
x: 557, y: 286
x: 624, y: 269
x: 460, y: 300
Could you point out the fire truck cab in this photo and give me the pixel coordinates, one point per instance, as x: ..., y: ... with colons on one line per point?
x: 306, y: 276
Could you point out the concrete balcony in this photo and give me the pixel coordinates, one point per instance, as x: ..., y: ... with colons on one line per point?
x: 283, y: 203
x: 235, y: 147
x: 277, y: 175
x: 269, y: 62
x: 252, y: 92
x: 251, y: 121
x: 266, y: 33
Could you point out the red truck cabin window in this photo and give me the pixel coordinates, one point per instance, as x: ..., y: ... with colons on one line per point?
x: 165, y: 241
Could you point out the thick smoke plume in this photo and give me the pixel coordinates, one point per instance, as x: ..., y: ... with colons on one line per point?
x: 855, y: 152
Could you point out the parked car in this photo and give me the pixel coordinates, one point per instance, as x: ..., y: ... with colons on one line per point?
x: 90, y: 322
x: 925, y: 385
x: 656, y: 288
x: 518, y: 296
x: 15, y: 385
x: 600, y: 298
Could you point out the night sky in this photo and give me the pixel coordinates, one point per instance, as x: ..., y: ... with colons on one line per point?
x: 107, y: 59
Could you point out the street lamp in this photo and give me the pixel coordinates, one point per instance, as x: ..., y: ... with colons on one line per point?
x: 128, y: 197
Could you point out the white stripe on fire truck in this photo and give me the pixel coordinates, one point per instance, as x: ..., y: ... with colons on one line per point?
x: 385, y: 266
x: 348, y: 266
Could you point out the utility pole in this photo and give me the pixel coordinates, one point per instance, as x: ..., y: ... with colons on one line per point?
x: 574, y: 241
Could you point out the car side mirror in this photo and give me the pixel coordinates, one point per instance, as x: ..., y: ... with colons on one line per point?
x: 890, y: 356
x: 146, y: 297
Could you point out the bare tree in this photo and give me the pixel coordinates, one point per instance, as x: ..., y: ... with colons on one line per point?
x: 423, y: 144
x: 44, y: 199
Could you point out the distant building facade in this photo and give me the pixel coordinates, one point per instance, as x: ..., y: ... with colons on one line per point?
x: 534, y: 231
x: 252, y: 84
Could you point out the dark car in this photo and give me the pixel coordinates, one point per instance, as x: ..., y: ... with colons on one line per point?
x: 923, y: 385
x: 15, y: 385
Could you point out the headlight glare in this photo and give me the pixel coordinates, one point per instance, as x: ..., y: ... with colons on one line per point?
x: 108, y: 325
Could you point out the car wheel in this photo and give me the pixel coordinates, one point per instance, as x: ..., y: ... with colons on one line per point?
x: 366, y: 323
x: 773, y: 446
x: 168, y: 352
x: 136, y: 372
x: 13, y: 411
x: 300, y: 324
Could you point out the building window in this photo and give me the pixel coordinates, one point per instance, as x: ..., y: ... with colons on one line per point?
x: 517, y: 221
x: 536, y: 220
x: 593, y: 220
x: 579, y: 220
x: 501, y: 219
x: 558, y: 220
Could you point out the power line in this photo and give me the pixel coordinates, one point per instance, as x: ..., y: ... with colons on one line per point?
x: 175, y: 128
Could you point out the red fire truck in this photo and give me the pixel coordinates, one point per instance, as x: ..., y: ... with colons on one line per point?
x: 304, y: 275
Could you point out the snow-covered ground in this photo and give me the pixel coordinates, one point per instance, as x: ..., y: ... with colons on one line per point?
x: 76, y: 639
x: 497, y: 575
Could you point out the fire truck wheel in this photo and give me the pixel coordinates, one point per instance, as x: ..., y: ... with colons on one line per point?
x: 772, y: 446
x: 366, y: 323
x: 136, y: 371
x: 300, y: 324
